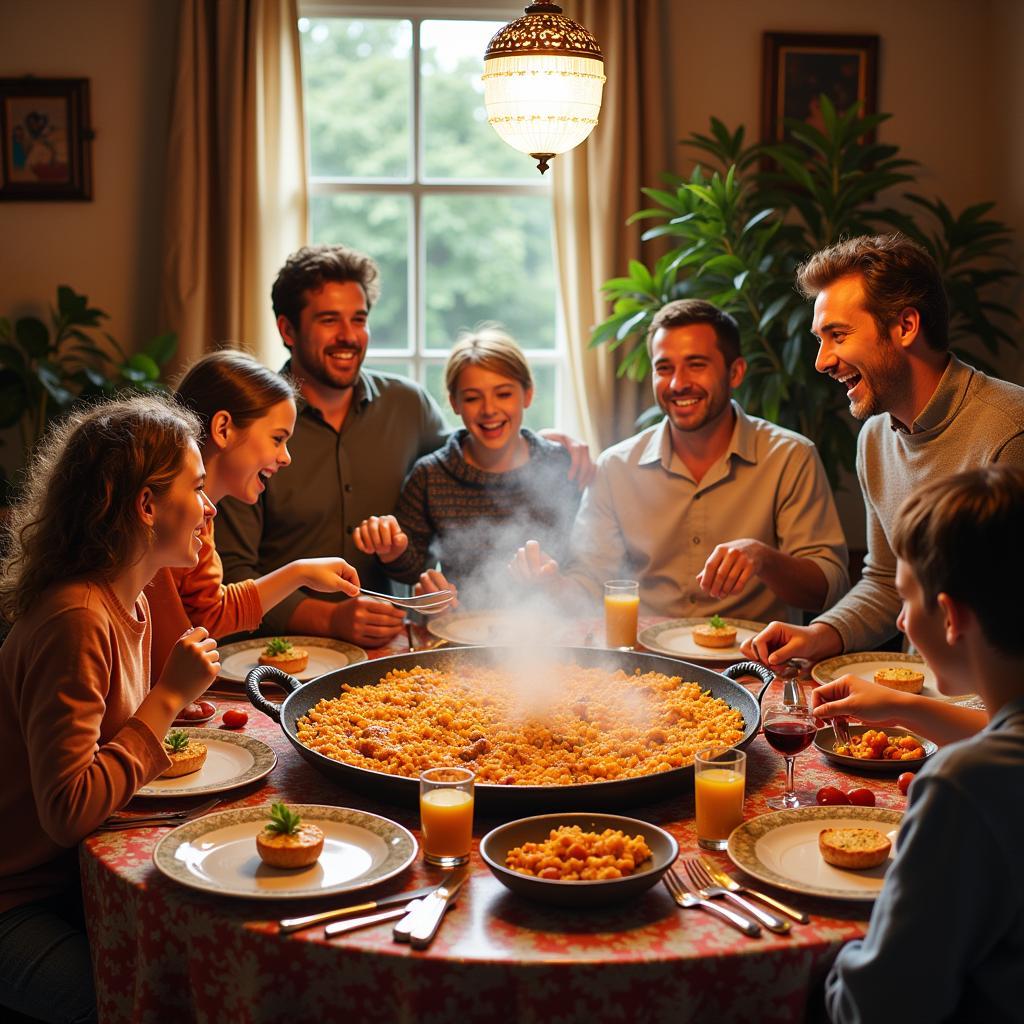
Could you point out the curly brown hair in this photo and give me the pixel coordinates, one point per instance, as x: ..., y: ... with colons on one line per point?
x: 311, y: 267
x: 76, y: 518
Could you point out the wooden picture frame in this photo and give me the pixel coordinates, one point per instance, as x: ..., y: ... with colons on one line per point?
x: 799, y: 66
x: 45, y: 139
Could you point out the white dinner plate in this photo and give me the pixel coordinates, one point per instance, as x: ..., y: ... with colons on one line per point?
x: 867, y: 663
x: 232, y: 759
x: 490, y: 628
x: 675, y: 638
x: 325, y: 655
x: 217, y: 853
x: 781, y: 848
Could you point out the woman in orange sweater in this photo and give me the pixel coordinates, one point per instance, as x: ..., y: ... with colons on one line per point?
x: 114, y: 496
x: 247, y: 414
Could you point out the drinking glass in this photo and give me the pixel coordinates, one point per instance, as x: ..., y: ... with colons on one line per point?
x: 621, y: 610
x: 718, y: 781
x: 446, y: 815
x: 789, y: 730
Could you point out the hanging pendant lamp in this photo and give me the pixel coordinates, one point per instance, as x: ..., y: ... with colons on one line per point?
x: 543, y: 78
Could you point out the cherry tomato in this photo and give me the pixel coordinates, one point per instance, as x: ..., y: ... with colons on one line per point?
x: 830, y: 796
x: 861, y: 797
x: 234, y: 719
x: 197, y: 709
x: 904, y: 782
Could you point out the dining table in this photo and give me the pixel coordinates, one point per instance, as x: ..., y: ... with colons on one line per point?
x: 166, y: 952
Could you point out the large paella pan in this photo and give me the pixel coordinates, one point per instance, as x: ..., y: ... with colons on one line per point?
x: 498, y: 798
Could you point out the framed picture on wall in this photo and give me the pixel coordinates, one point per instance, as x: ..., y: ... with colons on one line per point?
x: 799, y: 67
x: 44, y: 139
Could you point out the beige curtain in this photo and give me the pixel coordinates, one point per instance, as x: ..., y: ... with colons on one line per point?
x: 597, y: 186
x: 236, y: 200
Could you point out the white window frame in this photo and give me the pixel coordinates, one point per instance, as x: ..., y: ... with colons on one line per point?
x: 418, y: 187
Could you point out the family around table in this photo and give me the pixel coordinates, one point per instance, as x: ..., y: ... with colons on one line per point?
x: 117, y: 592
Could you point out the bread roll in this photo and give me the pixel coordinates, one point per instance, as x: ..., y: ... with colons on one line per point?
x: 856, y: 848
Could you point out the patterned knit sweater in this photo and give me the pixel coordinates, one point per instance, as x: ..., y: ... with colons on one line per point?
x: 472, y: 521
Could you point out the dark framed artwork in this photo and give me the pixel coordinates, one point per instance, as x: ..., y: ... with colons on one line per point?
x: 799, y: 67
x: 45, y: 139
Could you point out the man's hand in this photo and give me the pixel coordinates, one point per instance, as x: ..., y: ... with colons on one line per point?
x: 530, y: 565
x: 380, y: 536
x: 729, y: 568
x: 430, y: 583
x: 330, y: 575
x: 366, y: 621
x: 582, y: 469
x: 780, y: 641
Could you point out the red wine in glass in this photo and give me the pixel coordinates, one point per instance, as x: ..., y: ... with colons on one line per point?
x: 789, y: 730
x: 789, y: 738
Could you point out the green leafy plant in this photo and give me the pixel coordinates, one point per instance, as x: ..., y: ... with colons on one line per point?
x: 283, y: 822
x: 716, y: 622
x: 176, y: 741
x: 46, y: 370
x: 278, y: 646
x: 739, y: 231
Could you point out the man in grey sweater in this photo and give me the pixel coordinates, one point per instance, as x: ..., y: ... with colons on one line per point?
x: 882, y: 322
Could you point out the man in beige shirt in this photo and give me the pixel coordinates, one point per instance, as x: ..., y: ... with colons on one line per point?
x: 713, y: 511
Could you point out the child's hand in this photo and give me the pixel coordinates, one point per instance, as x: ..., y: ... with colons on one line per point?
x: 380, y: 536
x: 329, y: 575
x: 192, y: 666
x: 853, y: 697
x: 430, y: 583
x: 531, y: 565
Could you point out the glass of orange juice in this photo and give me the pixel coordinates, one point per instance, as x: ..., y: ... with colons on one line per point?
x: 718, y: 781
x: 446, y: 815
x: 621, y: 609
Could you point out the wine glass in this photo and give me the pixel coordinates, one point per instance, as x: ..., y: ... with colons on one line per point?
x: 789, y: 730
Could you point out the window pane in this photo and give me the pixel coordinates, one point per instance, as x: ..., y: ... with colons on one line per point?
x: 457, y: 140
x: 357, y: 79
x: 540, y: 414
x: 379, y: 226
x: 489, y: 258
x: 399, y: 366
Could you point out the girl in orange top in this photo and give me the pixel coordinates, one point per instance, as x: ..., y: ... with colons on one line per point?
x: 114, y: 496
x: 247, y: 414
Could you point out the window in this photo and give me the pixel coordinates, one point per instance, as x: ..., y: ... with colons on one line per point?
x: 405, y: 167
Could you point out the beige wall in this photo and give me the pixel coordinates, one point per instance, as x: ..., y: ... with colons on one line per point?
x: 107, y: 248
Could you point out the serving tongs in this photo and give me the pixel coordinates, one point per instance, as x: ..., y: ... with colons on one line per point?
x: 432, y: 602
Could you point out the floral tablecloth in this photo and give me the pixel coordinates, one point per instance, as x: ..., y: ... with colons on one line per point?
x: 166, y: 953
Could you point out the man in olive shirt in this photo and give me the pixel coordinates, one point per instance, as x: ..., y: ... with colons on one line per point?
x: 356, y: 437
x: 712, y: 511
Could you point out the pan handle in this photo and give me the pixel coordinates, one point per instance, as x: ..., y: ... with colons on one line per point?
x: 748, y: 668
x: 268, y: 674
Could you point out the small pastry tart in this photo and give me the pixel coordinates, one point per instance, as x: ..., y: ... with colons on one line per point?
x: 714, y: 633
x: 187, y: 756
x: 283, y: 655
x: 906, y: 679
x: 856, y: 848
x: 286, y: 843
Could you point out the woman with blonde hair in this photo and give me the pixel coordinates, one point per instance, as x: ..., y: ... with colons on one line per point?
x: 113, y: 497
x: 494, y: 484
x: 247, y: 414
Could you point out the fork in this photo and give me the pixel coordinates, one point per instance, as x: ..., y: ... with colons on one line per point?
x: 433, y: 601
x: 681, y: 894
x: 730, y: 883
x: 705, y: 886
x: 118, y: 820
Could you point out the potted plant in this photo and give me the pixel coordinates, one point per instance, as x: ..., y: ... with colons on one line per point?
x: 46, y: 370
x: 739, y: 230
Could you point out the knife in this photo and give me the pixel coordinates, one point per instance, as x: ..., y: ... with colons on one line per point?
x: 293, y: 924
x: 436, y: 903
x: 428, y: 918
x: 340, y: 927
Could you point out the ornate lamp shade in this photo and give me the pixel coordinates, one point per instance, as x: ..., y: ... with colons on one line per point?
x: 543, y: 78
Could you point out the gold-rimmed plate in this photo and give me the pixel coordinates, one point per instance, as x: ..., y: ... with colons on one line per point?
x: 232, y: 760
x: 781, y: 848
x: 675, y: 638
x: 237, y: 660
x: 825, y: 740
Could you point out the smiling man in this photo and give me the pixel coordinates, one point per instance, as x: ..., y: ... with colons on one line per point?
x: 712, y: 510
x: 882, y: 323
